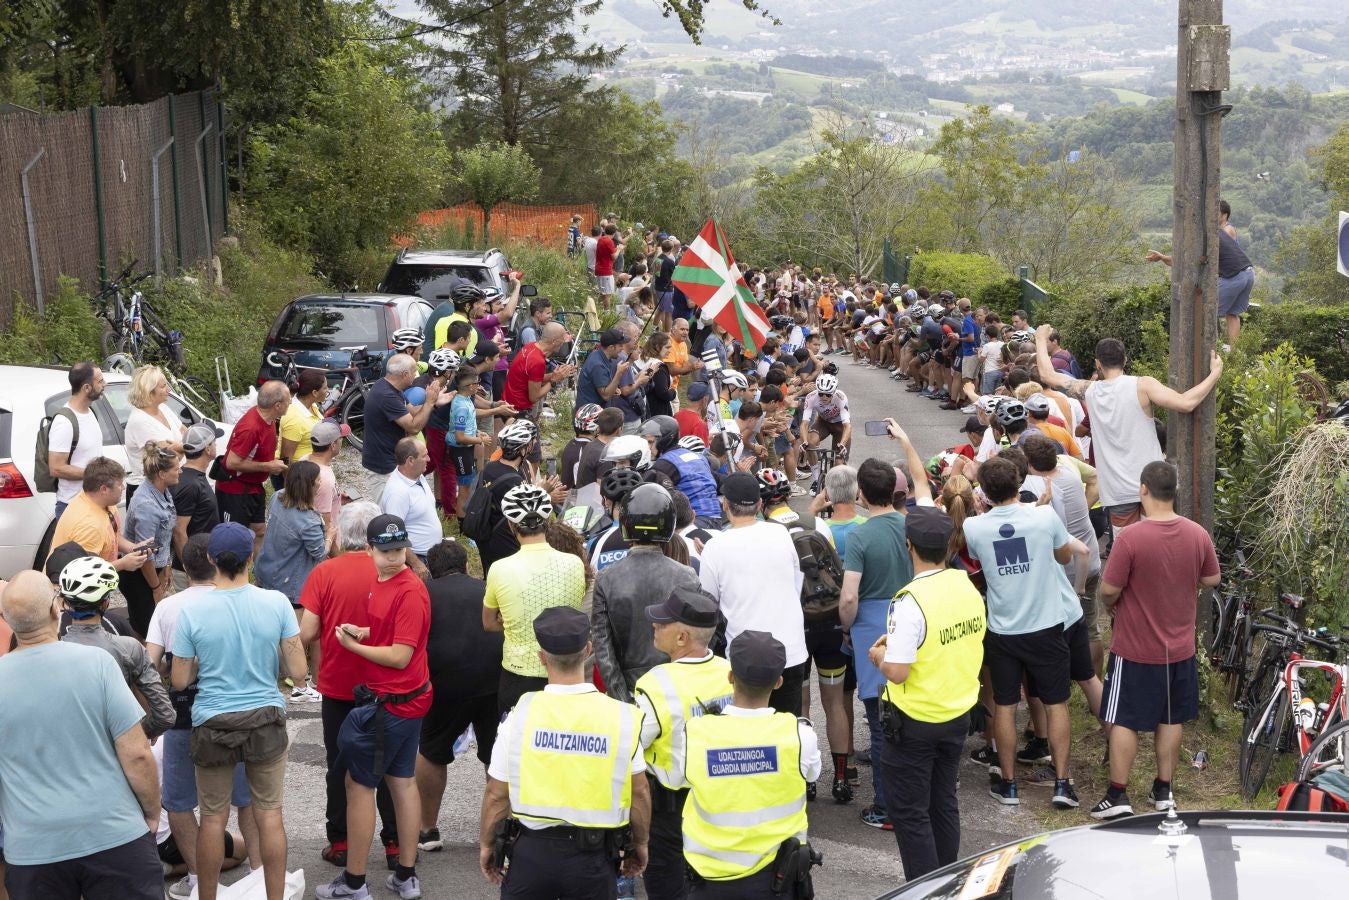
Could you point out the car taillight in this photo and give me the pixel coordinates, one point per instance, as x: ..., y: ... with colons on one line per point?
x: 13, y: 486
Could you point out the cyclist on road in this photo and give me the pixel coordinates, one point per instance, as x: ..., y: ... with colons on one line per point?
x: 825, y: 414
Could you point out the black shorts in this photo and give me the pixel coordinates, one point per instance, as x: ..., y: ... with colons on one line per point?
x: 1042, y: 656
x: 171, y: 855
x: 463, y: 460
x: 450, y: 718
x: 1080, y: 667
x: 825, y: 646
x: 1141, y: 696
x: 246, y: 509
x: 131, y: 871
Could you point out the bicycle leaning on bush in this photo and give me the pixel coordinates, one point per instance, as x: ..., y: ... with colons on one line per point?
x: 136, y: 336
x: 345, y: 402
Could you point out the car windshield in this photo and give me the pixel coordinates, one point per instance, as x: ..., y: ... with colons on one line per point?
x: 325, y: 325
x: 434, y: 283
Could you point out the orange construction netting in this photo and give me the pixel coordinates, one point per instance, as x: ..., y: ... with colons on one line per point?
x: 512, y: 221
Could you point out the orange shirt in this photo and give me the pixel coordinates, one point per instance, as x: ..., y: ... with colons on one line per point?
x: 826, y: 306
x: 89, y: 525
x: 1060, y: 434
x: 677, y: 357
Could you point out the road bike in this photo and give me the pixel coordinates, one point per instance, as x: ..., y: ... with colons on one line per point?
x: 1231, y: 613
x: 1289, y: 718
x: 345, y: 400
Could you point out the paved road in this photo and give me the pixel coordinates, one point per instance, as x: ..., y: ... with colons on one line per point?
x: 860, y: 862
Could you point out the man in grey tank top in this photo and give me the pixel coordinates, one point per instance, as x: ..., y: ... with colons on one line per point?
x: 1123, y: 431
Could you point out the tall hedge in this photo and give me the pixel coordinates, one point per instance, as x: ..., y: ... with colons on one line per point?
x: 1320, y: 333
x: 1137, y: 315
x: 965, y: 273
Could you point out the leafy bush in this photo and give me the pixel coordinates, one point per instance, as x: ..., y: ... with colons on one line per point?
x: 1002, y: 297
x: 1320, y: 333
x: 67, y: 333
x: 1138, y: 316
x: 558, y: 277
x: 965, y: 273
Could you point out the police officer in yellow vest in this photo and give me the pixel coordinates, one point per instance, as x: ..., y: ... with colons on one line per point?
x: 692, y: 684
x: 930, y: 657
x: 568, y: 767
x: 747, y: 771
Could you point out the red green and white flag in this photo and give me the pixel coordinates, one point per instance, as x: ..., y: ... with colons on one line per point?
x: 709, y: 277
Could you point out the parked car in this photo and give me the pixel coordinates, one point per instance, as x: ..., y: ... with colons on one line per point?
x: 431, y: 274
x: 1223, y: 853
x: 322, y: 330
x: 28, y: 394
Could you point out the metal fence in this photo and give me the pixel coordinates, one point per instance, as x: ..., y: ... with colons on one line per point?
x: 83, y: 193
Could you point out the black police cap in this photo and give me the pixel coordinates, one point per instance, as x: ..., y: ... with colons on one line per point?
x: 757, y: 658
x: 562, y: 630
x: 687, y: 605
x: 928, y: 527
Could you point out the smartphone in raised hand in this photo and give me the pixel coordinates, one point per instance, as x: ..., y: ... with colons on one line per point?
x: 877, y: 428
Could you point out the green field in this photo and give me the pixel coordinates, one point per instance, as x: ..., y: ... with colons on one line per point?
x: 1130, y: 98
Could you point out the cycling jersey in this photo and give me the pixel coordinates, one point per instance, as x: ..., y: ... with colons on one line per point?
x: 833, y: 411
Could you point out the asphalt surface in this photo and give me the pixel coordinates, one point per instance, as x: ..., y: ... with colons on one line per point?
x: 860, y: 862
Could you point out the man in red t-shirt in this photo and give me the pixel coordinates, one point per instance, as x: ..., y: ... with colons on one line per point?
x: 528, y: 380
x: 1156, y: 568
x: 692, y: 418
x: 337, y: 591
x: 379, y: 738
x: 251, y: 457
x: 605, y: 251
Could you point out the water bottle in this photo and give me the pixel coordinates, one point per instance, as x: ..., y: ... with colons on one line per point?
x: 1306, y: 714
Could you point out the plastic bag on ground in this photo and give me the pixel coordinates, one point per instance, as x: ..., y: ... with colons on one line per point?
x: 252, y: 887
x: 235, y: 407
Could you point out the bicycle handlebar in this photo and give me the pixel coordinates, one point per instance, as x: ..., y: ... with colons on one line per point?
x: 1294, y: 632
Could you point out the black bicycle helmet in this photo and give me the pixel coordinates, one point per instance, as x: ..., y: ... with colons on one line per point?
x: 774, y: 486
x: 648, y: 515
x: 781, y: 322
x: 618, y: 483
x: 830, y: 368
x: 664, y: 429
x: 465, y: 295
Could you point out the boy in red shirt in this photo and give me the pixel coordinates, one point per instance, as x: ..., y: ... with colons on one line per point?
x: 379, y: 739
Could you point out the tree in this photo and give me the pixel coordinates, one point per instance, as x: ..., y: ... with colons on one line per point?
x: 492, y: 173
x: 517, y: 66
x: 1307, y: 256
x: 840, y: 205
x: 980, y: 169
x: 351, y: 168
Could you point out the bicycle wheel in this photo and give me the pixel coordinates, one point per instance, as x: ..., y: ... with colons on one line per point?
x: 115, y: 342
x: 1327, y: 751
x: 120, y: 362
x: 170, y: 349
x: 353, y: 414
x: 197, y: 392
x: 1263, y: 680
x: 1261, y: 743
x: 1219, y: 618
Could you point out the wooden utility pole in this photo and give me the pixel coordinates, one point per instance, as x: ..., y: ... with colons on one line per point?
x: 1202, y: 74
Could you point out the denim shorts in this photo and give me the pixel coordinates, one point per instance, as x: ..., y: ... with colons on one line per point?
x: 179, y: 791
x: 356, y: 745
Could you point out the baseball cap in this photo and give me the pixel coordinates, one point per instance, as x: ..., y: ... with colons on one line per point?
x: 740, y: 487
x: 687, y: 605
x: 387, y: 532
x: 757, y: 658
x: 230, y: 537
x: 199, y: 436
x: 60, y: 557
x: 973, y: 424
x: 1037, y: 403
x: 562, y: 630
x: 326, y: 432
x: 612, y: 338
x: 928, y: 527
x: 697, y: 391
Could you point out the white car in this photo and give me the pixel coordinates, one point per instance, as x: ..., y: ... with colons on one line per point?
x: 28, y: 394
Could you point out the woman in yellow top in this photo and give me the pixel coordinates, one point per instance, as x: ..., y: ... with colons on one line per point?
x: 303, y: 415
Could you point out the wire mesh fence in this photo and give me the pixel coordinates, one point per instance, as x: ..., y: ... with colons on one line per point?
x: 84, y: 193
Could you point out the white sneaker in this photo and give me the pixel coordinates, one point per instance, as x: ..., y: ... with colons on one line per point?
x: 306, y: 694
x: 183, y: 887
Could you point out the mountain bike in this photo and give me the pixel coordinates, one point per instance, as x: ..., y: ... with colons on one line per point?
x: 345, y: 401
x: 1289, y: 719
x: 1231, y: 612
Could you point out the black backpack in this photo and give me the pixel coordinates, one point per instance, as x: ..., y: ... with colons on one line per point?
x: 480, y: 513
x: 822, y: 584
x: 43, y: 478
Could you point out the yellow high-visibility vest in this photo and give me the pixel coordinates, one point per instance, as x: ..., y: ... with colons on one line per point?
x: 747, y: 793
x: 678, y: 692
x: 569, y: 759
x: 943, y: 681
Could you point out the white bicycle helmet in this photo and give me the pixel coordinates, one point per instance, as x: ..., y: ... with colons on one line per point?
x: 1009, y: 412
x: 936, y: 311
x: 406, y: 339
x: 515, y: 437
x: 88, y: 580
x: 443, y: 359
x: 629, y: 449
x: 734, y: 380
x: 527, y: 505
x: 693, y: 443
x: 826, y: 384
